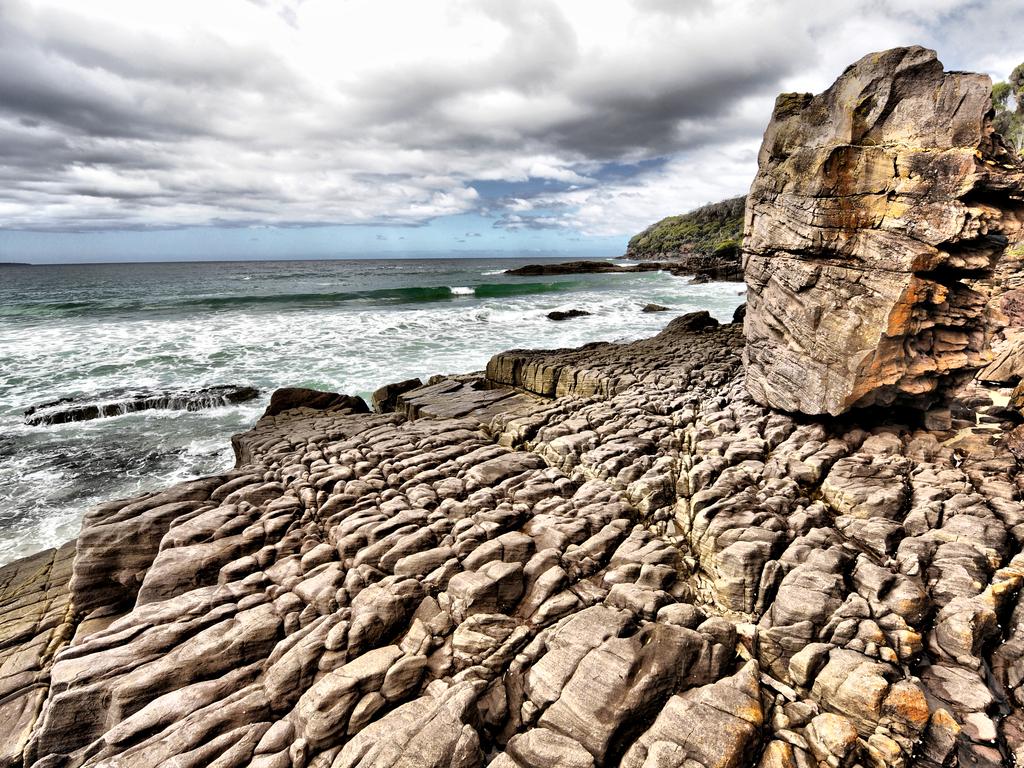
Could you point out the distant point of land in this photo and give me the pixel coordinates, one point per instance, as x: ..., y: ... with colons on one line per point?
x: 14, y: 264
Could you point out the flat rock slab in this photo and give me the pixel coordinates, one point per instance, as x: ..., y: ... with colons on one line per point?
x: 461, y: 398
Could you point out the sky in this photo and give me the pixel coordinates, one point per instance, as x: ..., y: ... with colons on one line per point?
x: 145, y: 130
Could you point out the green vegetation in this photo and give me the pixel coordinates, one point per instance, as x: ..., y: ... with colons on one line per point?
x: 1008, y: 102
x: 713, y: 230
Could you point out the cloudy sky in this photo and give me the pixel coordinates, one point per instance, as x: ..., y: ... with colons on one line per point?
x: 285, y: 128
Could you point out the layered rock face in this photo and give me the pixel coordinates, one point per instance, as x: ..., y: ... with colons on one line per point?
x: 879, y: 209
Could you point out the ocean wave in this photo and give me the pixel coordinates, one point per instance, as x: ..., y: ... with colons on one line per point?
x: 162, y: 335
x: 375, y: 297
x: 502, y: 290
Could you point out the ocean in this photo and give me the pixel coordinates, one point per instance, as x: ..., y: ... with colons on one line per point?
x: 99, y: 332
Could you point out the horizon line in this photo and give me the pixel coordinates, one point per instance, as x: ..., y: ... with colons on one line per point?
x: 407, y: 256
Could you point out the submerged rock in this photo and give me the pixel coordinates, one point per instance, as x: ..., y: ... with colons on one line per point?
x: 879, y: 208
x: 69, y: 409
x: 568, y: 314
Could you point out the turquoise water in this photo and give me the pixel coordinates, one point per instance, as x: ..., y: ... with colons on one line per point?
x: 86, y: 331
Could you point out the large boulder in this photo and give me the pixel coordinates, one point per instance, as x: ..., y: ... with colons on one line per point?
x: 879, y: 208
x: 288, y: 398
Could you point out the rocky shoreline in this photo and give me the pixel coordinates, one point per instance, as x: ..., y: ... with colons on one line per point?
x: 701, y: 268
x: 69, y: 409
x: 561, y: 560
x: 617, y: 555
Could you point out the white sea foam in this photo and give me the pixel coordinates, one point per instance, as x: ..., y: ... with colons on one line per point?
x: 50, y: 475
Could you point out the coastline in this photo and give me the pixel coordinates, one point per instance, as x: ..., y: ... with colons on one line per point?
x: 789, y: 540
x: 172, y: 336
x: 632, y: 486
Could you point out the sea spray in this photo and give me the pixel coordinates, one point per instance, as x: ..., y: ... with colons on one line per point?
x: 82, y: 332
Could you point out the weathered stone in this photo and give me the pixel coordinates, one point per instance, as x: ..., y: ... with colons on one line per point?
x: 596, y: 708
x: 831, y: 737
x: 298, y: 397
x: 713, y: 726
x: 36, y: 619
x: 875, y: 206
x: 386, y: 399
x: 539, y: 746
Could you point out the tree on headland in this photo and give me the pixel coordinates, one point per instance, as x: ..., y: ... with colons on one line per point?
x: 1008, y: 102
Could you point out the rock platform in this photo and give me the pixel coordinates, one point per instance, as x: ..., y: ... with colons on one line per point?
x: 595, y: 557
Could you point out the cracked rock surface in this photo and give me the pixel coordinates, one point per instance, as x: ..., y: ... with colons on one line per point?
x: 650, y: 569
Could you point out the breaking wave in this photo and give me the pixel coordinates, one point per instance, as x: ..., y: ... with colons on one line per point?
x: 380, y: 296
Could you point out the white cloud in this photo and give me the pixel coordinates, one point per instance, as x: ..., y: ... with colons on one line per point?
x: 688, y: 180
x: 128, y: 114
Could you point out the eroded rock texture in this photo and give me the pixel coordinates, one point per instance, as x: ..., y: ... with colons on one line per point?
x: 643, y: 567
x: 879, y: 210
x: 36, y: 619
